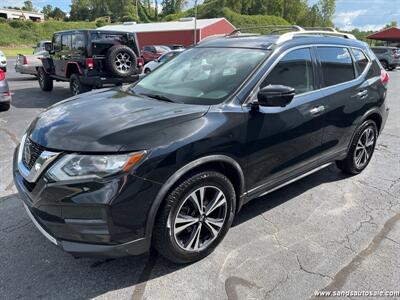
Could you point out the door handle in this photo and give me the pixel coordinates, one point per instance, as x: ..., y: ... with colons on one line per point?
x: 362, y: 94
x: 316, y: 110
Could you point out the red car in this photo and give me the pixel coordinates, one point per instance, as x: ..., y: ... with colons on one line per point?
x: 152, y: 52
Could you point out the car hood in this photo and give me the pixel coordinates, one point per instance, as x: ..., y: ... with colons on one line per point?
x: 108, y: 120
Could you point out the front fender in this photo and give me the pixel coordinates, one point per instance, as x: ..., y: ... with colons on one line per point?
x: 181, y: 172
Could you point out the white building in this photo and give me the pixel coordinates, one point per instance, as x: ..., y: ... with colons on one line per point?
x: 13, y: 14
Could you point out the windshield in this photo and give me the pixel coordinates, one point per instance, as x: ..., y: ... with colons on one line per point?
x: 201, y: 75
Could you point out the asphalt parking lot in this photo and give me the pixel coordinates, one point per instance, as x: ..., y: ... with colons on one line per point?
x: 325, y: 232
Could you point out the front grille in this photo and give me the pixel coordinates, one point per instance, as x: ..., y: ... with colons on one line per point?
x: 31, y: 153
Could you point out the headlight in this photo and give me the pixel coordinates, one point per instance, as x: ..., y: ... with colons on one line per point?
x: 74, y: 166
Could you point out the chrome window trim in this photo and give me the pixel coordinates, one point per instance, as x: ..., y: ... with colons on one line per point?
x: 40, y: 165
x: 252, y: 96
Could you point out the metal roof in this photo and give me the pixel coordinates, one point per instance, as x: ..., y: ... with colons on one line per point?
x: 389, y: 34
x: 186, y: 24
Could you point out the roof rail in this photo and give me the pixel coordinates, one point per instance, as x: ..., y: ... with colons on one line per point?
x: 290, y: 35
x: 276, y: 28
x: 320, y: 29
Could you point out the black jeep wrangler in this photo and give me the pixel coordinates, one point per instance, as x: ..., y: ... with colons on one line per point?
x: 89, y: 59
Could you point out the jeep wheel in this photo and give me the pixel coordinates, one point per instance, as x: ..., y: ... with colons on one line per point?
x: 121, y: 61
x: 45, y: 81
x: 195, y: 217
x: 76, y: 87
x: 5, y: 106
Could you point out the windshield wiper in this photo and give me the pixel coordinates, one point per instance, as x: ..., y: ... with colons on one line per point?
x: 157, y: 97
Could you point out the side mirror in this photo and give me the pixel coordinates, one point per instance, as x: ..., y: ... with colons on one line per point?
x: 275, y: 95
x: 47, y: 47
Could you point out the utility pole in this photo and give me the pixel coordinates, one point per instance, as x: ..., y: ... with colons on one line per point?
x: 137, y: 10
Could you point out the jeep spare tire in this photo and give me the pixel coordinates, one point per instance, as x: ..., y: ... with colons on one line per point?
x: 121, y: 61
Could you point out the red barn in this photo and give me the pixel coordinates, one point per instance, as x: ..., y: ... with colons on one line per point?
x: 180, y: 32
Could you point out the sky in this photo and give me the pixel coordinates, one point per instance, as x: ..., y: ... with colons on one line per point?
x: 350, y: 14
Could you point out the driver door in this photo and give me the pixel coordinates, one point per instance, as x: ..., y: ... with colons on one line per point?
x: 284, y: 141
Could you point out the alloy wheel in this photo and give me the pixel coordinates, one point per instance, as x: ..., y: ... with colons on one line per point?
x: 200, y: 218
x: 364, y: 148
x: 123, y: 62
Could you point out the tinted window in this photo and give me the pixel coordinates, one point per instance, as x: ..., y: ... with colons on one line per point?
x: 294, y: 70
x: 166, y: 57
x: 57, y: 42
x: 360, y: 60
x: 78, y: 42
x: 66, y: 42
x: 95, y: 36
x: 379, y: 50
x: 337, y: 65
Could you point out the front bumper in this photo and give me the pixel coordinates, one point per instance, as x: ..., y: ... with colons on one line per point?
x: 105, y: 218
x: 83, y: 249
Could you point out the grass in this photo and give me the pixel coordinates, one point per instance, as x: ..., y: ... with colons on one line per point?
x: 12, y: 52
x: 17, y: 33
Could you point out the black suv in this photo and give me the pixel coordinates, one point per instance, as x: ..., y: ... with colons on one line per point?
x: 90, y: 59
x: 170, y: 161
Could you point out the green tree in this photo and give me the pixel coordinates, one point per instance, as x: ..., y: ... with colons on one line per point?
x: 46, y: 10
x: 28, y: 5
x: 80, y: 10
x: 58, y: 14
x: 327, y: 10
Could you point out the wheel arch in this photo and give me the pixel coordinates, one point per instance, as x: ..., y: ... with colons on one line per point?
x: 223, y: 163
x: 72, y: 67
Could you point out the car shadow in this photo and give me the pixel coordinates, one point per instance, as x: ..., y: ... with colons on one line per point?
x: 37, y: 269
x: 36, y: 98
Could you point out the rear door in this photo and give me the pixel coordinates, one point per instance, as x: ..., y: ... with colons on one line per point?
x: 345, y: 91
x: 78, y: 47
x: 284, y: 141
x: 65, y: 53
x: 57, y: 61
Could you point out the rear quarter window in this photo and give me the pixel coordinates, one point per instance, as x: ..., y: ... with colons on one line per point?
x: 361, y: 61
x: 337, y: 65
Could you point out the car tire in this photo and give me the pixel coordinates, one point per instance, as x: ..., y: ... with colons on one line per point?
x: 147, y: 71
x: 361, y: 149
x: 76, y: 87
x: 5, y: 106
x: 191, y: 242
x: 121, y: 61
x: 45, y: 81
x: 384, y: 64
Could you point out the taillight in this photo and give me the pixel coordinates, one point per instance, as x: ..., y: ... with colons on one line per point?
x: 2, y: 75
x: 90, y: 63
x: 140, y: 62
x: 384, y: 77
x: 25, y: 60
